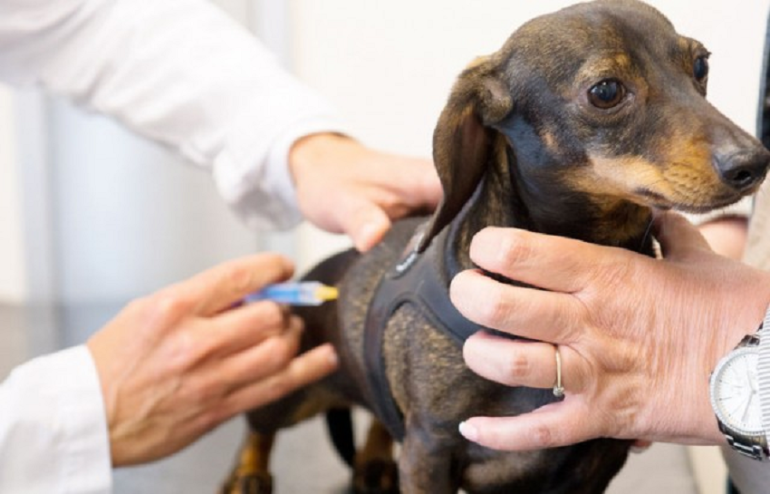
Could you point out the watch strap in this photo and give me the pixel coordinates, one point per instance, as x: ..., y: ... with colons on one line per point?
x: 754, y: 447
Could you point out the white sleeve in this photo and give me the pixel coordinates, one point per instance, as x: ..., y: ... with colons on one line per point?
x: 181, y: 73
x: 53, y: 430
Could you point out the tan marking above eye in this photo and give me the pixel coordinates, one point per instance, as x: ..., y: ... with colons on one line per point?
x: 622, y: 60
x: 615, y: 65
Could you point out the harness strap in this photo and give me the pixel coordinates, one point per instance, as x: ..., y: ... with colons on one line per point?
x: 421, y: 280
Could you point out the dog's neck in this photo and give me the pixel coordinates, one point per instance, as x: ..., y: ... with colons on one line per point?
x: 505, y: 198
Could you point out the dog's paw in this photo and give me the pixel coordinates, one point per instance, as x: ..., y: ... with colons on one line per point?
x: 376, y: 477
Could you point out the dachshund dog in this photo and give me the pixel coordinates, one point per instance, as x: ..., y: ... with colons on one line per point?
x: 582, y: 124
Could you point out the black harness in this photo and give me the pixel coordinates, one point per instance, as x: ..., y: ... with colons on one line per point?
x: 419, y: 279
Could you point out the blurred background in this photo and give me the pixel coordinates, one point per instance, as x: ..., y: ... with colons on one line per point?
x: 91, y: 216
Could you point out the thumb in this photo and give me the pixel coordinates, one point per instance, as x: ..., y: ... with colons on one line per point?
x: 678, y: 237
x: 366, y: 226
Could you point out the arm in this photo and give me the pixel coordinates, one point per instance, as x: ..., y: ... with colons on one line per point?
x: 638, y: 337
x: 178, y: 72
x: 183, y: 74
x: 167, y: 369
x: 51, y: 424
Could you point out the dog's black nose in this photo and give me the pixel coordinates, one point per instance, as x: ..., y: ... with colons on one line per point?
x: 743, y: 170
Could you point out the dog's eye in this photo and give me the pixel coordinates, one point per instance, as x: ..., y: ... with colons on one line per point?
x: 606, y: 94
x: 700, y: 69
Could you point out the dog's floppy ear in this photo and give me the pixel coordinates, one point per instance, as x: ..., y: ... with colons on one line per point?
x: 463, y: 139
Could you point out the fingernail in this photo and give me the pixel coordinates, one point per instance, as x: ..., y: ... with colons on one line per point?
x: 640, y: 446
x: 332, y: 356
x: 369, y: 234
x: 468, y: 431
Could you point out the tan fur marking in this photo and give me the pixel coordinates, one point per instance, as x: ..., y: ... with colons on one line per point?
x: 548, y: 139
x: 477, y: 61
x: 255, y: 455
x: 253, y: 465
x: 616, y: 65
x: 379, y: 444
x: 684, y: 179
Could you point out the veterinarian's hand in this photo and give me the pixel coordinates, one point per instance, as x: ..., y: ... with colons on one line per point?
x: 638, y: 337
x: 179, y: 362
x: 727, y: 236
x: 345, y: 187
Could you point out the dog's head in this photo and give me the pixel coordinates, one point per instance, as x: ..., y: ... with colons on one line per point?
x: 604, y: 100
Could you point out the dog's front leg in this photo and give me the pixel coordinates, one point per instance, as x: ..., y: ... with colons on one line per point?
x: 425, y: 463
x: 374, y: 470
x: 251, y: 474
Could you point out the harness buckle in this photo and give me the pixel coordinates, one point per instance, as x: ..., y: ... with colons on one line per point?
x: 410, y: 254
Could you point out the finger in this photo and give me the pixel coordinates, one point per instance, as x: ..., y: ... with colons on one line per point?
x: 420, y: 187
x: 558, y: 424
x: 301, y: 371
x: 678, y: 237
x: 520, y: 363
x: 521, y: 311
x: 366, y: 226
x: 726, y: 236
x: 240, y: 328
x: 221, y: 287
x: 640, y: 446
x: 261, y: 360
x: 211, y: 381
x: 546, y: 261
x: 404, y: 185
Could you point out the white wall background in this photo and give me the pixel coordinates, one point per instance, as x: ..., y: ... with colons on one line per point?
x: 12, y: 267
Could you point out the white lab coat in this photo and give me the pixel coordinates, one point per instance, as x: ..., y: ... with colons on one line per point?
x: 181, y: 73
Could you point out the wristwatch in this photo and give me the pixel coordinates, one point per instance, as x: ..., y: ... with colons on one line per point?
x: 734, y: 387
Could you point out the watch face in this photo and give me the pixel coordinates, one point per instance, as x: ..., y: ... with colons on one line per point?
x: 734, y: 393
